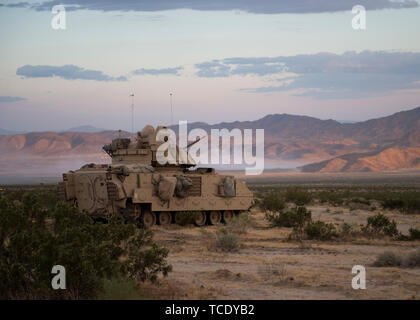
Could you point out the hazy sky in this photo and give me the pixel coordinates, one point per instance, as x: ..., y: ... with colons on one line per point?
x: 223, y: 61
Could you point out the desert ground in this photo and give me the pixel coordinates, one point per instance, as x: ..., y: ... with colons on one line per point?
x: 269, y: 266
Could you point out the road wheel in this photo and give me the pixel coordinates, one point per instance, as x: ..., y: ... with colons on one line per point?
x: 165, y: 218
x: 215, y: 217
x: 200, y: 218
x: 178, y: 217
x: 228, y: 216
x: 148, y: 219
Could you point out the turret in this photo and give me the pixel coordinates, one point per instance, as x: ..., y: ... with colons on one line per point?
x: 143, y: 150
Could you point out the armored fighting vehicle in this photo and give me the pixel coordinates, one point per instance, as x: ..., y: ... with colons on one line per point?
x: 141, y: 190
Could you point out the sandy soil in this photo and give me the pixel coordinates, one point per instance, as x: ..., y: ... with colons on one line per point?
x: 267, y: 266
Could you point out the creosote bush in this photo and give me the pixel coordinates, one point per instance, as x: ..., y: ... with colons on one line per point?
x: 320, y: 231
x: 414, y: 234
x: 380, y: 225
x: 407, y: 202
x: 272, y: 202
x: 299, y: 196
x: 296, y: 216
x: 300, y: 219
x: 348, y: 231
x: 330, y: 197
x: 34, y: 238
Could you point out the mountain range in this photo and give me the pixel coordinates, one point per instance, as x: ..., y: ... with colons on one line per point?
x: 84, y: 128
x: 314, y: 145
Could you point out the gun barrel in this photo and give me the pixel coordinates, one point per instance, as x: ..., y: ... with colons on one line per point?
x: 194, y: 142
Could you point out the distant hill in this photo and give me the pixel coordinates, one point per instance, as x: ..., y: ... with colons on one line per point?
x: 285, y: 126
x: 51, y: 153
x: 85, y: 128
x: 302, y: 139
x: 387, y: 143
x: 389, y: 159
x: 49, y: 144
x: 403, y: 153
x: 7, y: 132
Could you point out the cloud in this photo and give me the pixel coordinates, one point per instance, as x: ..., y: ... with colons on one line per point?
x: 343, y: 85
x: 349, y: 62
x: 17, y: 5
x: 10, y: 99
x: 213, y: 69
x: 253, y: 6
x: 325, y: 75
x: 157, y: 72
x: 69, y: 72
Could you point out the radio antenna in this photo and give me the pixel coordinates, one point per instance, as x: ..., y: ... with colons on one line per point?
x: 132, y: 112
x: 172, y: 115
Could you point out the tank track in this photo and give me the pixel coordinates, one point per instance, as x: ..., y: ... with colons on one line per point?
x: 145, y: 218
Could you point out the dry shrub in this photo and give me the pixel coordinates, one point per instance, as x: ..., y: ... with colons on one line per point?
x: 226, y: 241
x: 412, y: 260
x: 273, y: 271
x: 240, y: 223
x: 388, y: 259
x: 391, y: 259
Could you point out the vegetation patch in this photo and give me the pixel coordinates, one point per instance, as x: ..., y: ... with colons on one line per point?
x: 414, y: 234
x: 320, y: 231
x: 35, y: 236
x: 226, y: 241
x: 272, y: 202
x: 300, y: 197
x: 407, y: 202
x: 403, y: 198
x: 296, y: 216
x: 380, y: 225
x: 391, y: 259
x: 388, y: 259
x: 348, y: 231
x: 330, y: 197
x: 240, y: 223
x: 120, y: 289
x: 186, y: 218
